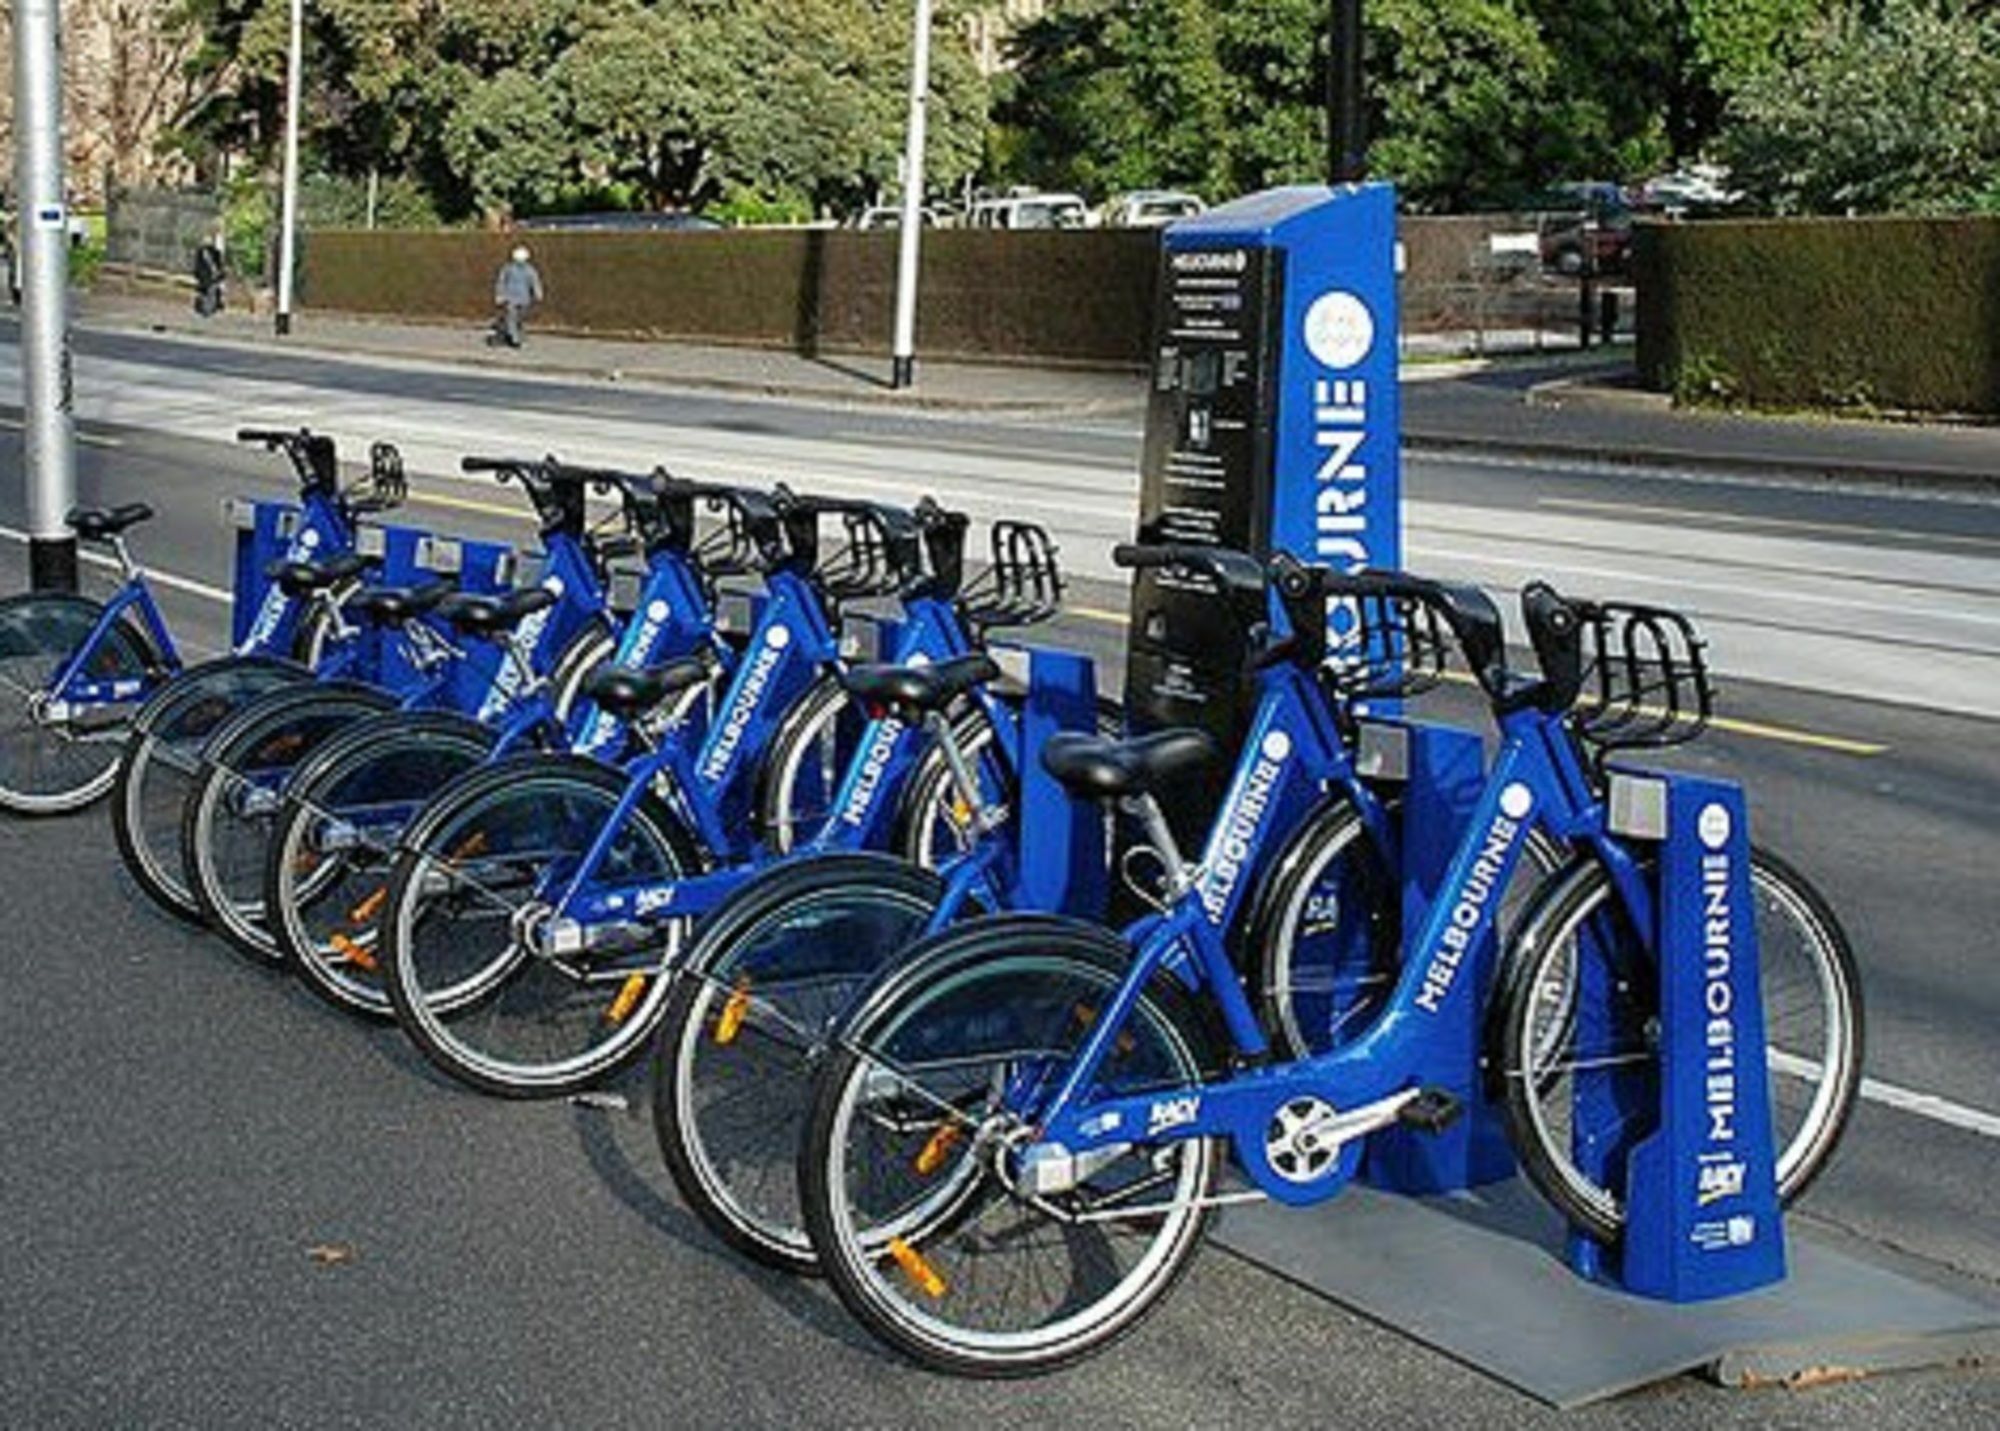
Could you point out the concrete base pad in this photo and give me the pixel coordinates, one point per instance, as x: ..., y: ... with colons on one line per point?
x: 1481, y: 1277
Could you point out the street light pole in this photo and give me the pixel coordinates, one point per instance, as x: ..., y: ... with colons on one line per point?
x: 1346, y: 106
x: 288, y: 251
x: 904, y: 371
x: 47, y: 398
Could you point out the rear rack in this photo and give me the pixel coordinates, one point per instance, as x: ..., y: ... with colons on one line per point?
x: 1021, y: 586
x: 1644, y: 680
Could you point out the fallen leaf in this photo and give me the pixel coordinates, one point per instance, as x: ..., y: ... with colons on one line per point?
x: 331, y: 1254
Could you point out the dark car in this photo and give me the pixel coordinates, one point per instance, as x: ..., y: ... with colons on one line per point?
x: 1585, y: 225
x: 625, y: 221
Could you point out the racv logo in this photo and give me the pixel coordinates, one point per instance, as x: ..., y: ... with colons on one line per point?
x: 729, y: 734
x: 1237, y: 832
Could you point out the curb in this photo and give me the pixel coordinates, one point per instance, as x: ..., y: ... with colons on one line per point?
x: 1680, y: 462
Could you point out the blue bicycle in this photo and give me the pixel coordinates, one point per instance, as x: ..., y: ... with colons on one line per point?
x: 345, y: 806
x: 554, y: 631
x: 1016, y: 1136
x: 73, y: 669
x: 286, y: 625
x: 537, y: 902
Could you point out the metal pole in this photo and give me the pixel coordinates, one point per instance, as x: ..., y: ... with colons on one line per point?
x: 1346, y: 104
x: 905, y: 368
x: 289, y: 221
x: 47, y: 398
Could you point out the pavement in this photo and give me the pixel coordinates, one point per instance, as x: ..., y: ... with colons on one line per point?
x: 1555, y: 407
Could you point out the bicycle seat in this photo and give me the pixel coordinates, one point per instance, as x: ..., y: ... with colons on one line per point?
x: 1099, y: 767
x: 627, y: 692
x: 396, y: 605
x: 96, y: 524
x: 917, y: 688
x: 491, y: 616
x: 303, y: 578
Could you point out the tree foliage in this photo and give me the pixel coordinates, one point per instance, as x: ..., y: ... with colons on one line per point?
x: 1889, y: 106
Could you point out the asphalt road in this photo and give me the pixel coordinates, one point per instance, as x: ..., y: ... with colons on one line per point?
x: 182, y: 1132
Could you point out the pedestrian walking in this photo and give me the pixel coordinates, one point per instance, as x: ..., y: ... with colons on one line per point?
x: 516, y: 289
x: 208, y: 276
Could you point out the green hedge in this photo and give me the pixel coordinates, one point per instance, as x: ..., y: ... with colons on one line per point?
x: 1900, y: 314
x: 1066, y: 297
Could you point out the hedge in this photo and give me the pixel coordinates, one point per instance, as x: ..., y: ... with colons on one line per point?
x: 1897, y: 314
x: 1067, y: 297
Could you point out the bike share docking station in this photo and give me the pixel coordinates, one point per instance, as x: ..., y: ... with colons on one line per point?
x: 1274, y: 424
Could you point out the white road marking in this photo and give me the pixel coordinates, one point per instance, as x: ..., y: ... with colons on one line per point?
x: 164, y: 578
x: 1905, y: 1100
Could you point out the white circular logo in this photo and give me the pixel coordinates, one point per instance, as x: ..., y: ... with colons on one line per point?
x: 553, y: 586
x: 1340, y: 331
x: 1516, y: 801
x: 658, y: 611
x: 1277, y: 746
x: 308, y: 538
x: 920, y: 659
x: 1715, y: 826
x: 779, y: 637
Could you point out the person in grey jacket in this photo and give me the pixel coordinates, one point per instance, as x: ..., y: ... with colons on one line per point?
x: 516, y: 289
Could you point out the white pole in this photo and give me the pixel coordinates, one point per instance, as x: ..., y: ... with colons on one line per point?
x: 905, y: 370
x: 289, y: 217
x: 47, y: 399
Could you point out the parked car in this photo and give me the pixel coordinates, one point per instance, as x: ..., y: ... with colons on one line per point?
x: 1684, y: 190
x: 1030, y: 211
x: 1151, y: 209
x: 889, y: 216
x: 626, y: 221
x: 1585, y: 224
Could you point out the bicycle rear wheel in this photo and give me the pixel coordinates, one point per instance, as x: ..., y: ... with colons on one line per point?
x: 473, y: 982
x: 233, y: 806
x: 750, y: 1011
x: 50, y: 762
x: 326, y: 876
x: 908, y: 1173
x: 1565, y: 1083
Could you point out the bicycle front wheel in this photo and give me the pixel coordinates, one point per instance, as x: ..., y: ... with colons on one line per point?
x: 233, y: 807
x: 326, y: 877
x: 749, y: 1014
x: 1570, y: 1081
x: 909, y: 1173
x: 162, y: 757
x: 474, y: 978
x: 52, y: 762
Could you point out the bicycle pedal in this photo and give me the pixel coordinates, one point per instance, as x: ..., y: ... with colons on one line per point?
x: 1431, y: 1111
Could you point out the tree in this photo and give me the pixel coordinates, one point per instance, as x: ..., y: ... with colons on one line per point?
x: 1891, y: 106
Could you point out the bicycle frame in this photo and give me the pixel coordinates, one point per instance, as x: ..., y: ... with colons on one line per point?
x: 1537, y: 781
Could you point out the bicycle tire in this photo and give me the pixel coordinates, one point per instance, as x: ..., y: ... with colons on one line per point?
x: 1012, y: 982
x: 227, y: 820
x: 746, y: 1016
x: 435, y: 1005
x: 808, y: 746
x: 1530, y: 1081
x: 162, y: 756
x: 413, y: 755
x: 39, y: 634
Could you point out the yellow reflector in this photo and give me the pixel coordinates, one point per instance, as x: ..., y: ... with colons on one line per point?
x: 473, y: 844
x: 916, y: 1268
x: 961, y: 812
x: 733, y: 1013
x: 365, y: 912
x: 353, y: 953
x: 938, y: 1149
x: 627, y: 1000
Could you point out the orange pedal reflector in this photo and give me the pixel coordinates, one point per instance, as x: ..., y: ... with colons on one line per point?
x: 733, y: 1013
x: 353, y: 953
x: 365, y: 912
x: 916, y: 1268
x: 627, y: 1000
x: 472, y: 845
x: 938, y: 1149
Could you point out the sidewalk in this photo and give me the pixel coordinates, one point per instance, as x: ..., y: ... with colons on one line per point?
x: 1566, y: 407
x: 968, y: 387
